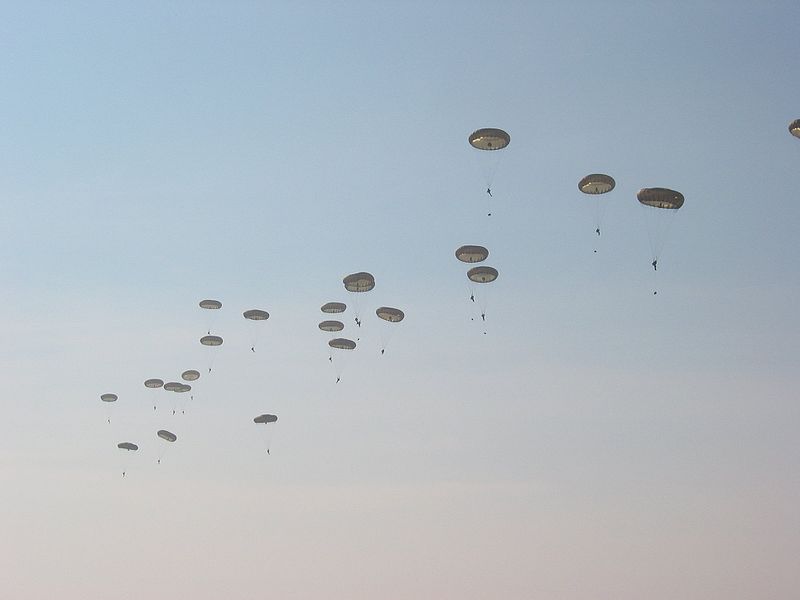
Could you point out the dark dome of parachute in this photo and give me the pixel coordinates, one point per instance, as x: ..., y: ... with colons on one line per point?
x: 387, y: 313
x: 210, y: 304
x: 265, y: 419
x: 359, y: 282
x: 794, y: 128
x: 127, y: 446
x: 108, y: 397
x: 256, y: 315
x: 190, y: 375
x: 331, y: 326
x: 660, y: 198
x: 211, y: 340
x: 472, y: 254
x: 153, y: 383
x: 166, y: 435
x: 171, y: 386
x: 596, y: 183
x: 489, y: 138
x: 482, y: 274
x: 342, y: 344
x: 333, y: 308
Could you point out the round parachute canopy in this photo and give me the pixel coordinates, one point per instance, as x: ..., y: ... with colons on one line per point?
x: 167, y: 436
x: 171, y: 386
x: 108, y: 397
x: 210, y: 304
x: 333, y: 308
x: 211, y: 340
x: 265, y: 419
x: 482, y: 274
x: 184, y: 387
x: 256, y: 315
x: 596, y: 183
x: 342, y: 344
x: 127, y: 446
x: 359, y: 282
x: 489, y: 139
x: 153, y: 383
x: 393, y: 315
x: 190, y: 375
x: 660, y: 198
x: 331, y: 326
x: 794, y: 128
x: 472, y: 254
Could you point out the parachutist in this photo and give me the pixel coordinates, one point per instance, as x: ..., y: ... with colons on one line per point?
x: 252, y: 348
x: 472, y: 297
x: 159, y: 461
x: 382, y: 351
x: 123, y: 474
x: 109, y: 420
x: 488, y: 214
x: 330, y: 358
x: 338, y: 379
x: 483, y: 317
x: 267, y: 450
x: 597, y: 231
x: 173, y: 412
x: 489, y: 191
x: 655, y: 265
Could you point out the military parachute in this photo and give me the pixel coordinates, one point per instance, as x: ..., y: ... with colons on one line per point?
x: 488, y: 140
x: 660, y: 206
x: 596, y: 185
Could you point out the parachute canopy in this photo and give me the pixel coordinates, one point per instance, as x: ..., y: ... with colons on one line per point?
x: 127, y: 446
x: 342, y: 344
x: 190, y: 375
x: 393, y: 315
x: 331, y: 326
x: 256, y: 315
x: 108, y: 397
x: 359, y: 282
x: 172, y: 386
x: 333, y: 308
x: 184, y: 387
x: 482, y: 274
x: 265, y: 419
x: 472, y: 254
x: 153, y: 383
x: 596, y: 183
x: 211, y: 340
x: 660, y: 198
x: 489, y: 139
x: 210, y: 304
x: 167, y: 436
x: 794, y: 128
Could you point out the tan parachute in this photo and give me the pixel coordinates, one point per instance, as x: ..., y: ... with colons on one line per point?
x: 265, y: 419
x: 596, y: 185
x: 211, y: 340
x: 109, y: 397
x: 167, y: 436
x: 210, y: 304
x: 794, y: 128
x: 256, y: 315
x: 660, y: 207
x: 331, y: 326
x: 190, y: 375
x: 472, y: 254
x: 154, y: 384
x: 129, y: 446
x: 482, y: 274
x: 489, y: 138
x: 393, y: 315
x: 333, y: 308
x: 359, y: 282
x: 342, y: 344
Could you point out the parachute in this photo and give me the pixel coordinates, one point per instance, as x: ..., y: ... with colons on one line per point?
x: 333, y: 307
x: 488, y: 140
x: 342, y: 344
x: 255, y: 314
x: 171, y: 386
x: 331, y: 326
x: 358, y: 283
x: 166, y: 435
x: 190, y: 375
x: 109, y: 397
x: 597, y: 184
x: 660, y: 206
x: 129, y: 446
x: 482, y: 274
x: 794, y: 128
x: 472, y: 254
x: 390, y: 315
x: 265, y: 419
x: 211, y: 304
x: 108, y: 400
x: 211, y: 340
x: 154, y: 383
x: 268, y: 431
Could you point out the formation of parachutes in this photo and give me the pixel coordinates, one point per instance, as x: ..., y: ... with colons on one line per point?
x: 660, y: 205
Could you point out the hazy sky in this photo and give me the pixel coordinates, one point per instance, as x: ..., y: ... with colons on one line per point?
x: 599, y: 442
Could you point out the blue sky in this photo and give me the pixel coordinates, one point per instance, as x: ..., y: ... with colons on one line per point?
x: 598, y: 441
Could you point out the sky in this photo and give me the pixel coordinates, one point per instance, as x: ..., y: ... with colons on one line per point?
x: 598, y: 441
